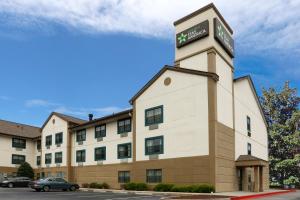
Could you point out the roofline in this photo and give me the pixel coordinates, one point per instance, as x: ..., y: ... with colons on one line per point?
x: 95, y: 121
x: 20, y: 123
x: 214, y: 76
x: 58, y: 115
x: 248, y: 77
x: 201, y: 10
x: 19, y: 136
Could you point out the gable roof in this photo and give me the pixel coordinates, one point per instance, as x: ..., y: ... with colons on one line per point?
x: 105, y: 119
x: 176, y: 69
x: 249, y: 79
x: 17, y: 129
x: 64, y: 117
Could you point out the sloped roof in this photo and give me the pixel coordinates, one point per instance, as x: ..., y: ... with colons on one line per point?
x: 64, y: 117
x: 249, y: 160
x: 248, y: 77
x: 105, y: 119
x: 176, y: 69
x: 17, y: 129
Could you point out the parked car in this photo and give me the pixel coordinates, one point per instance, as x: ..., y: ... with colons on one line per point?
x: 16, y: 182
x: 48, y: 184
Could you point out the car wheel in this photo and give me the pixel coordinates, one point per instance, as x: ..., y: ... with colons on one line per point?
x: 10, y: 185
x: 72, y: 188
x: 46, y: 188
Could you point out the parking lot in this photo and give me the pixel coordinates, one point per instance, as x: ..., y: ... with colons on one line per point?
x: 28, y: 194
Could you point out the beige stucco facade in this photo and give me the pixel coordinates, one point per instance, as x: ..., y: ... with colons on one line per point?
x: 203, y: 130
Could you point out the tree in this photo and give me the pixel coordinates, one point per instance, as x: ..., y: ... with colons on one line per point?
x: 25, y: 170
x: 281, y: 109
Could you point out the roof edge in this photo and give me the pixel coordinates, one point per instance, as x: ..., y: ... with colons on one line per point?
x: 201, y: 10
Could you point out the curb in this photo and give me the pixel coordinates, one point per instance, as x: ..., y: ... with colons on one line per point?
x: 253, y: 196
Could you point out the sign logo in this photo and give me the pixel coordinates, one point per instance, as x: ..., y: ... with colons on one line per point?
x: 192, y: 34
x: 223, y: 37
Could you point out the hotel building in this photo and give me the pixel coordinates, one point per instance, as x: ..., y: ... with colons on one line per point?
x: 191, y: 123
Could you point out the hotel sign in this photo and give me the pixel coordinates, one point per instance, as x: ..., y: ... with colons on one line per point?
x: 192, y: 34
x: 223, y: 37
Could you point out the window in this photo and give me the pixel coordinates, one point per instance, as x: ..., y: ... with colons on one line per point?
x: 58, y: 138
x: 154, y: 175
x: 19, y: 143
x: 48, y: 158
x: 249, y: 126
x: 154, y: 115
x: 17, y: 159
x: 124, y: 176
x: 58, y: 157
x: 38, y: 145
x: 38, y: 160
x: 154, y: 145
x: 124, y: 151
x: 48, y: 140
x: 80, y: 156
x: 100, y: 131
x: 249, y: 148
x: 100, y: 153
x: 80, y: 135
x: 124, y: 126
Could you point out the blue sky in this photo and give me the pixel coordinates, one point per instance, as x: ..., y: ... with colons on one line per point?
x: 78, y: 57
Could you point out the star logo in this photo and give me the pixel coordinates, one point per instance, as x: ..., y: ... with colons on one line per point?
x: 182, y: 38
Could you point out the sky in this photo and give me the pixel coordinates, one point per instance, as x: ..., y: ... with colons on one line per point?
x: 91, y: 56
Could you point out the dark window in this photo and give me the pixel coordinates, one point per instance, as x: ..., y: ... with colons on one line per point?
x: 154, y: 115
x: 38, y: 145
x: 154, y: 175
x: 19, y: 143
x: 48, y: 158
x: 100, y: 153
x: 17, y: 159
x: 249, y: 149
x: 49, y: 140
x: 124, y: 151
x: 38, y: 160
x: 58, y: 157
x: 124, y: 176
x: 80, y: 135
x: 58, y: 138
x: 249, y: 126
x: 154, y: 145
x: 80, y: 156
x: 100, y: 131
x: 124, y: 126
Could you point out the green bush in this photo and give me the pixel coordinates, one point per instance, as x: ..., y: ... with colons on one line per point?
x: 163, y: 187
x: 25, y: 170
x: 194, y: 188
x: 96, y: 185
x: 85, y: 185
x: 135, y: 186
x: 105, y: 186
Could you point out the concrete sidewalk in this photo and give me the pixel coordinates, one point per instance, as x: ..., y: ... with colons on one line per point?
x: 170, y: 195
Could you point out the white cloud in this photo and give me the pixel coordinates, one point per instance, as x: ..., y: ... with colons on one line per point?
x: 258, y: 25
x: 5, y: 98
x: 39, y: 103
x: 83, y: 112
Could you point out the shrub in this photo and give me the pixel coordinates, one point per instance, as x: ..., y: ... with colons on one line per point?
x: 85, y: 185
x: 105, y: 186
x: 25, y: 170
x: 135, y: 186
x: 96, y: 185
x: 163, y: 187
x: 194, y: 188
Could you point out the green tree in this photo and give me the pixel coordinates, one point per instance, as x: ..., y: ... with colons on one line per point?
x: 25, y: 170
x: 281, y: 109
